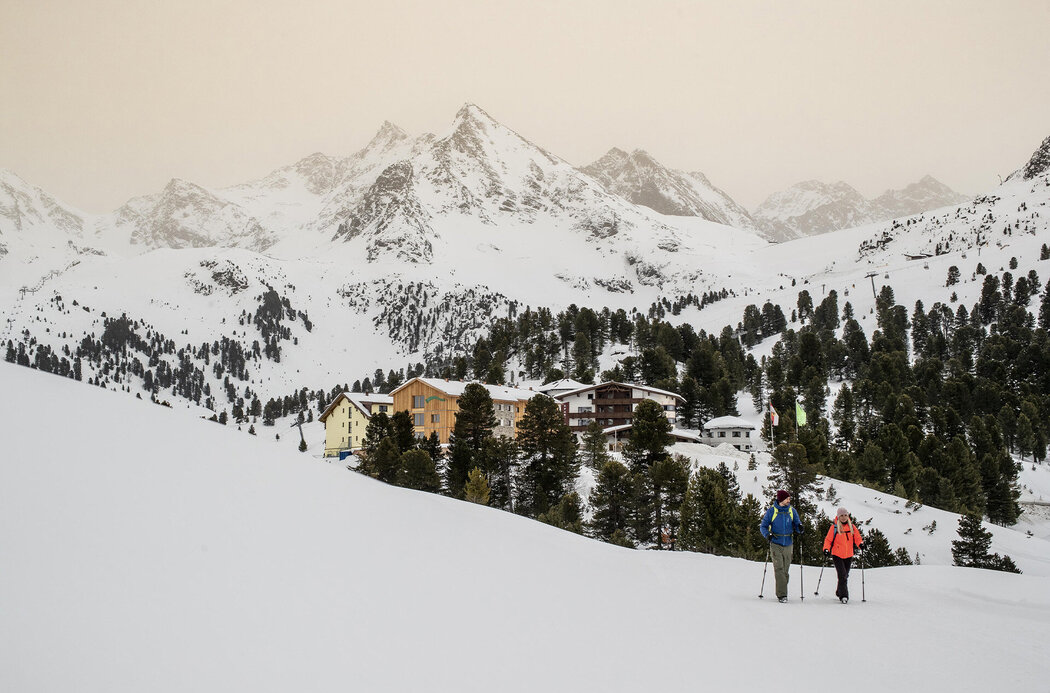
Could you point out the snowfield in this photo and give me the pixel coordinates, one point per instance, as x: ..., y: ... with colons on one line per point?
x: 146, y: 550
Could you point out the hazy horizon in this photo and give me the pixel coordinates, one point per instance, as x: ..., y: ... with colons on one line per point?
x: 106, y: 101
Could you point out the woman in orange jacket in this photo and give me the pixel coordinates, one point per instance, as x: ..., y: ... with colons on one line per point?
x: 842, y: 538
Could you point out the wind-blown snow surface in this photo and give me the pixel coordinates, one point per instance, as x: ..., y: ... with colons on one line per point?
x: 144, y: 549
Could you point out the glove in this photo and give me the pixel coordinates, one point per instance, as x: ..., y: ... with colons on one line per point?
x: 827, y: 554
x: 858, y: 548
x: 799, y: 530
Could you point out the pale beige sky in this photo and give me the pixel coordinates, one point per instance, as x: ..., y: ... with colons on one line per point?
x: 104, y: 100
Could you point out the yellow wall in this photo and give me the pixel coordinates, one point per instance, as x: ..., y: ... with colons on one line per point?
x: 336, y: 428
x: 344, y: 429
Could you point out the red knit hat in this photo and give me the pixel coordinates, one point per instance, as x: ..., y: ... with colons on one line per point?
x: 781, y: 495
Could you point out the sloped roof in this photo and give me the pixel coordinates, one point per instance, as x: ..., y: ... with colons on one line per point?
x: 359, y: 400
x: 679, y: 433
x: 563, y: 384
x: 457, y: 387
x: 634, y: 386
x: 729, y: 422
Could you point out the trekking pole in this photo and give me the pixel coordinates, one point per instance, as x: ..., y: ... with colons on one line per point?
x: 769, y: 552
x: 863, y: 597
x: 801, y: 583
x: 821, y: 576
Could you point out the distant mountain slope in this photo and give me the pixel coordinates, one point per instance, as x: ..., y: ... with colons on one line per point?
x: 638, y: 177
x: 813, y: 207
x: 1038, y: 164
x: 929, y: 193
x: 185, y: 215
x: 25, y: 208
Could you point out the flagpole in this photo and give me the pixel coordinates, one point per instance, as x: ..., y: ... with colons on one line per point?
x: 772, y: 427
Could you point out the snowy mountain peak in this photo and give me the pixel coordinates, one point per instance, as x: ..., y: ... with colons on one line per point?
x: 471, y: 113
x: 24, y: 206
x: 180, y: 187
x: 388, y: 136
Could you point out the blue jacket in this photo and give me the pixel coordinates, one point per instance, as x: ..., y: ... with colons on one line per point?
x: 786, y: 523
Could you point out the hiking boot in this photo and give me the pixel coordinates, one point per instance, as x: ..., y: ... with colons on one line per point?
x: 844, y: 600
x: 782, y: 600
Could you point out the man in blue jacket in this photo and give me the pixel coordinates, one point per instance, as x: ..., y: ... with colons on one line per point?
x: 778, y: 526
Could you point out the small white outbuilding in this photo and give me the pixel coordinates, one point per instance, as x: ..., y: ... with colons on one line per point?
x: 732, y: 430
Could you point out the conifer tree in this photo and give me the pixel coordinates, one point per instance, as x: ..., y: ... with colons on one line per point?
x: 567, y: 514
x: 377, y: 428
x: 474, y: 423
x: 384, y: 464
x: 650, y: 436
x: 593, y: 451
x: 500, y: 457
x: 611, y: 501
x: 476, y: 417
x: 877, y: 550
x: 477, y: 487
x: 791, y: 470
x: 459, y: 461
x: 669, y: 476
x: 432, y: 446
x: 418, y: 471
x: 971, y: 548
x: 402, y: 431
x: 547, y: 450
x: 706, y: 514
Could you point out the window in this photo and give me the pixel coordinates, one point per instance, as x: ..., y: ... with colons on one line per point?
x: 418, y: 401
x: 747, y: 434
x: 435, y: 418
x: 417, y: 419
x: 736, y: 434
x: 721, y: 434
x: 382, y: 408
x: 584, y: 410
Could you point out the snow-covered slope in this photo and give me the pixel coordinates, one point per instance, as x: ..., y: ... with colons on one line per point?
x: 165, y: 553
x: 643, y: 180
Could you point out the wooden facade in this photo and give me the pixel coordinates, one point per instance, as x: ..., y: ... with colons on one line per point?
x: 434, y: 404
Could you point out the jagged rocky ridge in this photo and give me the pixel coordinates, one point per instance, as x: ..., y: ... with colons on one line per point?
x: 642, y: 180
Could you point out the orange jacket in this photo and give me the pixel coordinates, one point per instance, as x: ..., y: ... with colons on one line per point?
x: 841, y: 542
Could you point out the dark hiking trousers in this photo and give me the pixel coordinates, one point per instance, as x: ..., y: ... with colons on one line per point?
x: 842, y: 568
